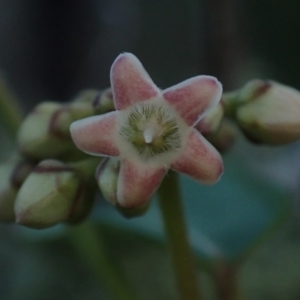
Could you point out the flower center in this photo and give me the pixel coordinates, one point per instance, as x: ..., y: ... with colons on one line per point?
x: 152, y: 129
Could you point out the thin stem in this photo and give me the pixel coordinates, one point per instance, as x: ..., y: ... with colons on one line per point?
x: 175, y: 227
x: 227, y: 285
x: 11, y: 114
x: 91, y: 246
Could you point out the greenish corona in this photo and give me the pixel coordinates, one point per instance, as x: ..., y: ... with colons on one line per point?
x: 151, y: 129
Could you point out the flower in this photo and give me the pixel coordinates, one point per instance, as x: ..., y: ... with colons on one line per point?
x: 152, y: 130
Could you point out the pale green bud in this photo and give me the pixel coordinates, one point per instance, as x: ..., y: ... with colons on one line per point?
x: 267, y: 112
x: 210, y: 124
x: 103, y: 101
x: 107, y: 179
x: 67, y: 114
x: 45, y: 132
x: 225, y: 137
x: 248, y: 93
x: 83, y: 202
x: 86, y: 192
x: 86, y: 96
x: 47, y: 195
x: 12, y: 175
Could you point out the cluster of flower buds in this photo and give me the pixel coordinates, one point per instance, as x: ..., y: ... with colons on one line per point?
x: 45, y: 133
x: 266, y: 111
x: 50, y: 180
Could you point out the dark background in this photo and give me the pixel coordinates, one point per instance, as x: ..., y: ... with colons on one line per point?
x: 50, y: 50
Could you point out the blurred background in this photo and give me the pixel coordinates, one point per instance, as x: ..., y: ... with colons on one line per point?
x: 51, y: 50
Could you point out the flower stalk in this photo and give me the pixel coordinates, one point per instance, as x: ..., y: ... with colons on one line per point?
x: 91, y: 246
x: 176, y: 231
x: 227, y: 284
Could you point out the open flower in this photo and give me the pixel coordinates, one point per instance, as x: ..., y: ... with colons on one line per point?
x: 152, y: 130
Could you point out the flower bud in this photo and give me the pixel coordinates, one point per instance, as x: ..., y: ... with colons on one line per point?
x: 45, y: 132
x: 267, y: 112
x: 86, y: 192
x: 12, y: 175
x: 210, y: 124
x: 83, y: 202
x: 86, y: 96
x: 104, y: 102
x: 133, y: 212
x: 47, y: 195
x: 107, y: 179
x: 225, y: 137
x: 68, y: 113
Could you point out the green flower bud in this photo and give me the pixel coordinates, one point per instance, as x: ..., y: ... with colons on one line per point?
x: 47, y: 195
x: 83, y: 202
x: 86, y: 96
x: 45, y: 132
x: 68, y: 113
x: 225, y: 137
x: 210, y: 124
x: 86, y: 192
x: 103, y: 102
x: 12, y: 175
x: 251, y: 91
x: 266, y: 111
x: 107, y: 179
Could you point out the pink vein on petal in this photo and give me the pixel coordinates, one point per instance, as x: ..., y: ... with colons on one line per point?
x: 130, y: 82
x: 137, y: 183
x: 96, y: 135
x: 194, y: 97
x: 199, y: 160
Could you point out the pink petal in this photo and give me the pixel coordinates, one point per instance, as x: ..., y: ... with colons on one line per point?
x: 96, y: 135
x: 194, y: 97
x: 137, y: 183
x: 130, y: 82
x: 200, y: 160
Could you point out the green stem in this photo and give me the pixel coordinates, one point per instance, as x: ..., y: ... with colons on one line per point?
x: 226, y: 282
x: 175, y: 227
x: 90, y: 245
x: 11, y: 114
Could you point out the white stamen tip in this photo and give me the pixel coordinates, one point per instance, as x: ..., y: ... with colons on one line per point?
x: 148, y: 135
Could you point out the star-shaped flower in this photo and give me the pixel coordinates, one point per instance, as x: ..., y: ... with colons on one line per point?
x: 152, y: 130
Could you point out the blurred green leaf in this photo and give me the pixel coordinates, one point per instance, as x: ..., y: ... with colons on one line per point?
x: 225, y: 221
